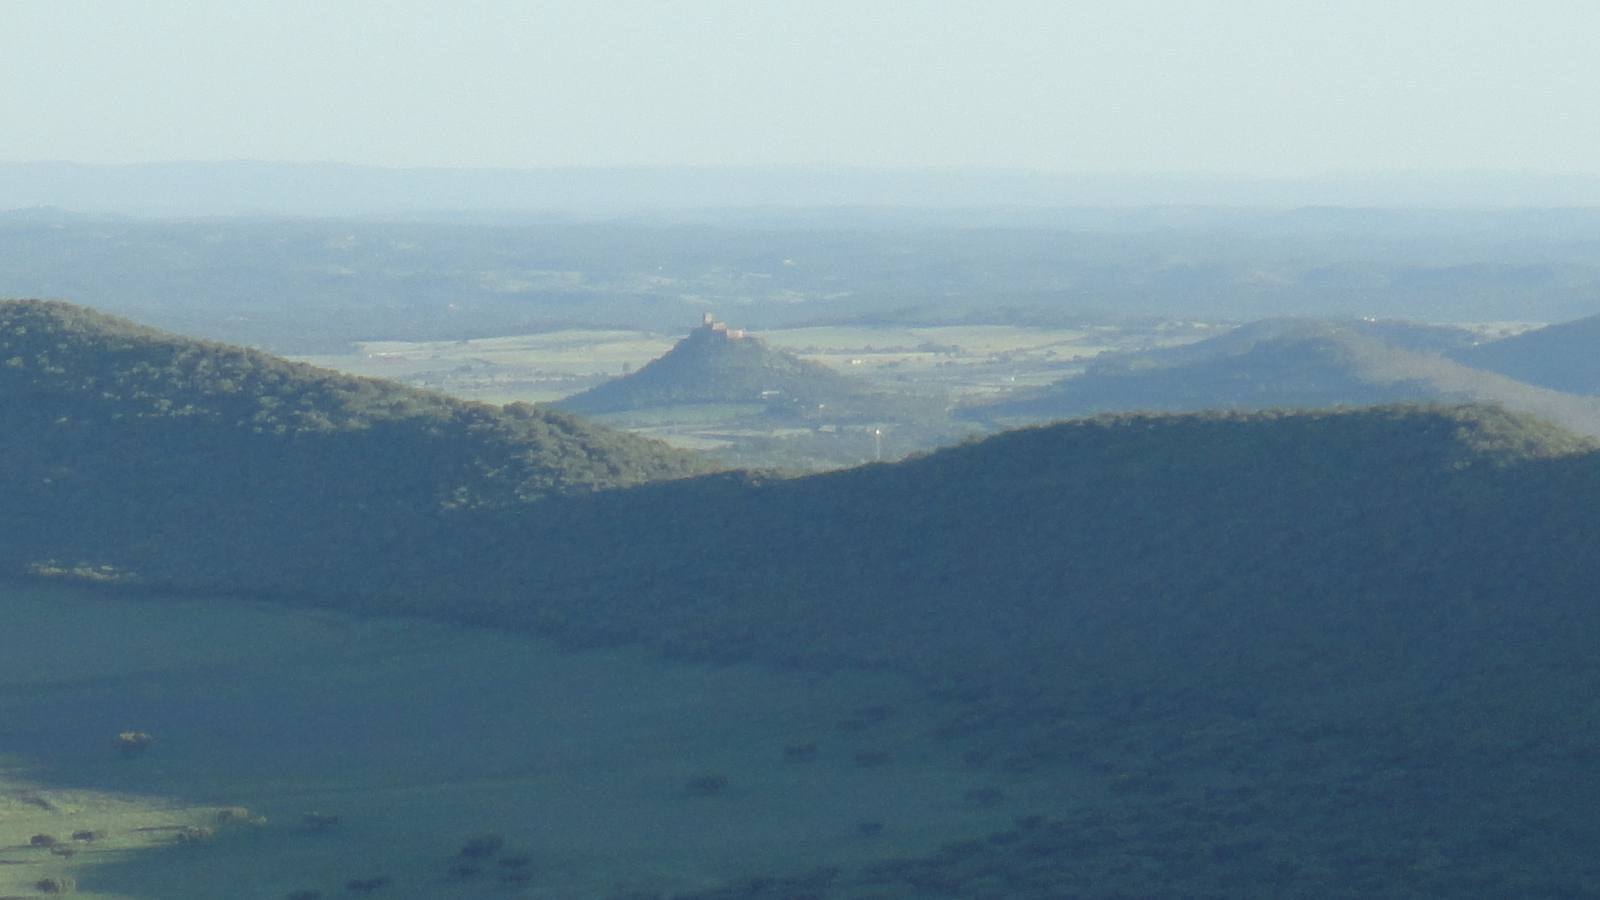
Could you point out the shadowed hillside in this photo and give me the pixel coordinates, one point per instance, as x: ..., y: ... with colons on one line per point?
x: 1298, y: 654
x: 1314, y: 654
x: 126, y: 435
x: 1564, y: 357
x: 1294, y: 363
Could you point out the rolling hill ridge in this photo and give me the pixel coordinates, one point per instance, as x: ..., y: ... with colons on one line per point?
x: 1563, y: 357
x: 1296, y: 363
x: 135, y: 438
x: 1313, y: 653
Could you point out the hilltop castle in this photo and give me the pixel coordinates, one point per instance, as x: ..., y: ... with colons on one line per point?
x: 709, y: 323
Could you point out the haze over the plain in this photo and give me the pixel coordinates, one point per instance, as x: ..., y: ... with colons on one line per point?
x: 1264, y: 90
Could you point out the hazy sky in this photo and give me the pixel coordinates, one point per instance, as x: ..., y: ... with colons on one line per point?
x: 1273, y: 88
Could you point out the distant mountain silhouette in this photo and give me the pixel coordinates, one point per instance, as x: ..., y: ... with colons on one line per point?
x: 1563, y: 357
x: 1303, y: 363
x: 718, y: 364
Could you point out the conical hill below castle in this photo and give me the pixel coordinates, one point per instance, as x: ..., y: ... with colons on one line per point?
x: 716, y: 364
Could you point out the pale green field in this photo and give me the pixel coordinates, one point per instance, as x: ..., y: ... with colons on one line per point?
x: 532, y: 368
x: 969, y: 338
x: 576, y: 352
x: 683, y: 414
x: 939, y: 354
x: 418, y: 736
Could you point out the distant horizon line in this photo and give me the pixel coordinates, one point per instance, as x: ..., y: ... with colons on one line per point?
x: 252, y: 186
x: 940, y: 169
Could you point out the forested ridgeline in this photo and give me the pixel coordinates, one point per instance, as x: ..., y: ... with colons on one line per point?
x: 75, y: 379
x: 139, y: 457
x: 142, y: 457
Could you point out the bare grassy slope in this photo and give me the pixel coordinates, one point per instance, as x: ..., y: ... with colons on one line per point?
x: 1296, y: 363
x: 1563, y: 357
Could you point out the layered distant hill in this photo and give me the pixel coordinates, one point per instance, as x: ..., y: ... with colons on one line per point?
x: 132, y: 448
x: 109, y: 428
x: 1297, y: 653
x: 298, y: 285
x: 1564, y: 357
x: 719, y: 365
x: 1295, y: 363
